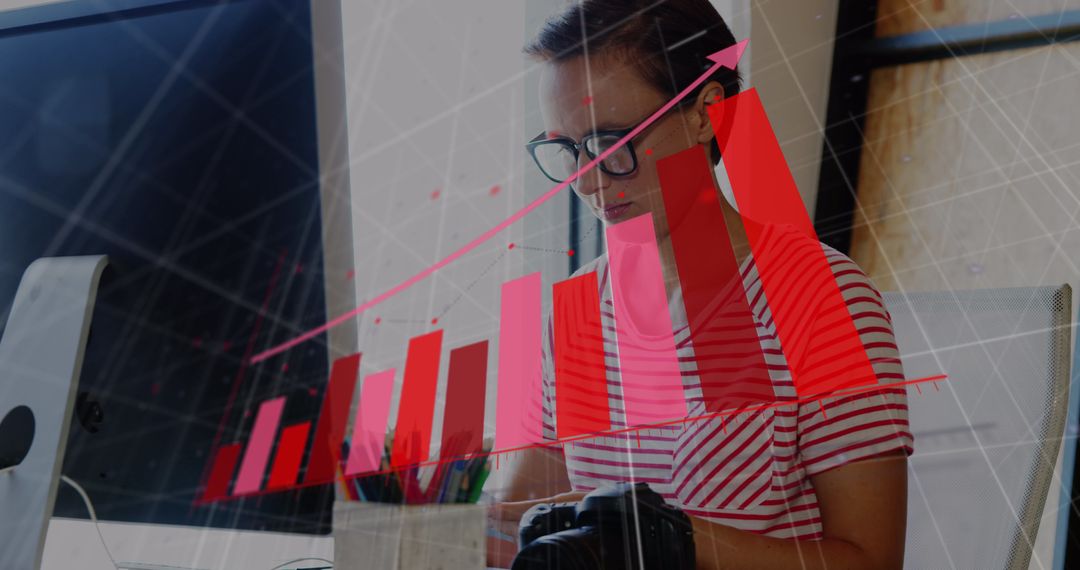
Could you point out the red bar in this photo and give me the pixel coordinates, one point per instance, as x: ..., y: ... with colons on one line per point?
x: 724, y: 337
x: 330, y: 431
x: 581, y: 395
x: 290, y: 452
x: 819, y: 338
x: 220, y: 474
x: 412, y: 436
x: 466, y: 384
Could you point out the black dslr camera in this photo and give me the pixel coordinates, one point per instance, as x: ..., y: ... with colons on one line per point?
x: 622, y: 527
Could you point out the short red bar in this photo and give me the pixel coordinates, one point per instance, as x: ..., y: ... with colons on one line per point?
x: 727, y: 352
x: 225, y: 462
x: 819, y: 338
x: 412, y: 436
x: 466, y: 384
x: 581, y: 394
x: 290, y: 452
x: 330, y: 431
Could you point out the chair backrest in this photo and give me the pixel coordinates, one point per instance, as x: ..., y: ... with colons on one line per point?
x: 987, y: 438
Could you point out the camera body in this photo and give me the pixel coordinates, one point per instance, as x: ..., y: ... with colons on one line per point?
x: 622, y: 527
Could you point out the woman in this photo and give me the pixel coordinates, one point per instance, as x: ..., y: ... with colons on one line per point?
x: 830, y: 476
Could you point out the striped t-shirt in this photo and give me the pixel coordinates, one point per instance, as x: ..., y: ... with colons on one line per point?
x: 751, y: 470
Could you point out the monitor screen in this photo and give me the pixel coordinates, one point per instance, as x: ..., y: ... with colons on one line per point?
x: 178, y: 138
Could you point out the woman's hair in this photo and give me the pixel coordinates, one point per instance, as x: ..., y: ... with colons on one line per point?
x: 667, y: 41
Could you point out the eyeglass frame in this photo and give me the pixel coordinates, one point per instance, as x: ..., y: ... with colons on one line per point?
x: 576, y: 147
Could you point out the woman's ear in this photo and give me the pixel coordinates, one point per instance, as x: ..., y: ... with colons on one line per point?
x: 711, y: 94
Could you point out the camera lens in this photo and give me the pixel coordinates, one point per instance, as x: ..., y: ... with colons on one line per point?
x: 576, y: 549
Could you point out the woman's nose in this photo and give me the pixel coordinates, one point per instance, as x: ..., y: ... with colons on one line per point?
x: 591, y: 181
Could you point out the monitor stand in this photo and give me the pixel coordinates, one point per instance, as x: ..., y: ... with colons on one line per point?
x: 41, y: 355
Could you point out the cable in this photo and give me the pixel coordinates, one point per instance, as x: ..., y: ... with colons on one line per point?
x: 284, y: 564
x: 93, y: 515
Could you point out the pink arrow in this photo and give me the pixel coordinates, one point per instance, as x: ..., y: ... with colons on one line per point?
x: 727, y: 57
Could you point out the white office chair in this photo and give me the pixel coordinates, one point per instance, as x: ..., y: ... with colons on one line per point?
x: 987, y: 439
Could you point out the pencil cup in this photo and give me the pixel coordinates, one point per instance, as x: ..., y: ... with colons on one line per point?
x: 382, y: 536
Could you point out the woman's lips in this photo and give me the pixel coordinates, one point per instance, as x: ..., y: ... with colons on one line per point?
x: 616, y: 211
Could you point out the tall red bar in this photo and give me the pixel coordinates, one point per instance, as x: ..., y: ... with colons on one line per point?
x: 330, y: 430
x: 290, y: 452
x: 466, y: 384
x: 727, y: 352
x: 412, y: 436
x: 581, y: 394
x: 819, y: 338
x: 217, y: 486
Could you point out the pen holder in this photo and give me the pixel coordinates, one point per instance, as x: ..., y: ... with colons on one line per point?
x: 383, y: 536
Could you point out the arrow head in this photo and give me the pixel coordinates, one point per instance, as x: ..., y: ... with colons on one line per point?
x: 729, y: 57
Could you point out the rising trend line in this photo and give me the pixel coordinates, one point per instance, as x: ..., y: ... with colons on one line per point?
x: 728, y: 57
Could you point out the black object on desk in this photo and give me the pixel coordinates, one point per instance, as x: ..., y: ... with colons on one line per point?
x: 599, y: 532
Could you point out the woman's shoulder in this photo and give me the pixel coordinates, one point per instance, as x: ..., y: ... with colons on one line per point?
x: 847, y: 273
x: 598, y: 264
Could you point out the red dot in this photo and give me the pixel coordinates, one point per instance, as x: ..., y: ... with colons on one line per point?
x: 511, y: 246
x: 312, y: 391
x: 648, y: 151
x: 586, y: 100
x: 378, y: 320
x: 435, y: 321
x: 494, y: 190
x: 622, y: 194
x: 435, y: 194
x: 350, y: 274
x: 570, y: 253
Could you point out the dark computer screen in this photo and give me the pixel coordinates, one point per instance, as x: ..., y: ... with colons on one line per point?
x: 179, y: 139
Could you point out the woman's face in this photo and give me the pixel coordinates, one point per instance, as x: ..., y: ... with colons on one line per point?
x: 612, y: 95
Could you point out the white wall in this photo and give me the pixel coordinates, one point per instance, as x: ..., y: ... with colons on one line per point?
x: 434, y: 104
x: 792, y: 45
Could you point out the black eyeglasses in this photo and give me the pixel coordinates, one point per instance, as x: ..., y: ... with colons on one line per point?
x: 558, y: 157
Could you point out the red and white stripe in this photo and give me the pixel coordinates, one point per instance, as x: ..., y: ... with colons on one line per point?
x: 751, y: 470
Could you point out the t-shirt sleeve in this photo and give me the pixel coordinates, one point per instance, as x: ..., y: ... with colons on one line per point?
x: 846, y: 428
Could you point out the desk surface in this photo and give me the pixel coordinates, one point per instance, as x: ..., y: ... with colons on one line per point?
x: 73, y: 543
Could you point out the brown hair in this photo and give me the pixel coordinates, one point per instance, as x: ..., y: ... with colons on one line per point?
x: 668, y: 41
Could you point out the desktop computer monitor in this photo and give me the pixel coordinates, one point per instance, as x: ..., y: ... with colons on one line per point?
x: 180, y: 139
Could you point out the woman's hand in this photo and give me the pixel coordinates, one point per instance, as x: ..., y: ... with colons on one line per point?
x: 504, y: 518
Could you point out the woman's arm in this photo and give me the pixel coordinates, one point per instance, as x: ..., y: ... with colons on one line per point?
x: 532, y: 473
x: 863, y: 516
x: 528, y: 477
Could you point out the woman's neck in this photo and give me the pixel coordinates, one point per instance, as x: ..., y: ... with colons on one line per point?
x: 737, y: 240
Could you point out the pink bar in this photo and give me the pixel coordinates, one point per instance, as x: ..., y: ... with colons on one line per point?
x: 518, y: 413
x: 369, y: 427
x: 649, y: 366
x: 257, y: 454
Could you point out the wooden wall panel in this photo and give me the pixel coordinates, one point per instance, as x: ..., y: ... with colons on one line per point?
x: 970, y: 174
x: 906, y: 16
